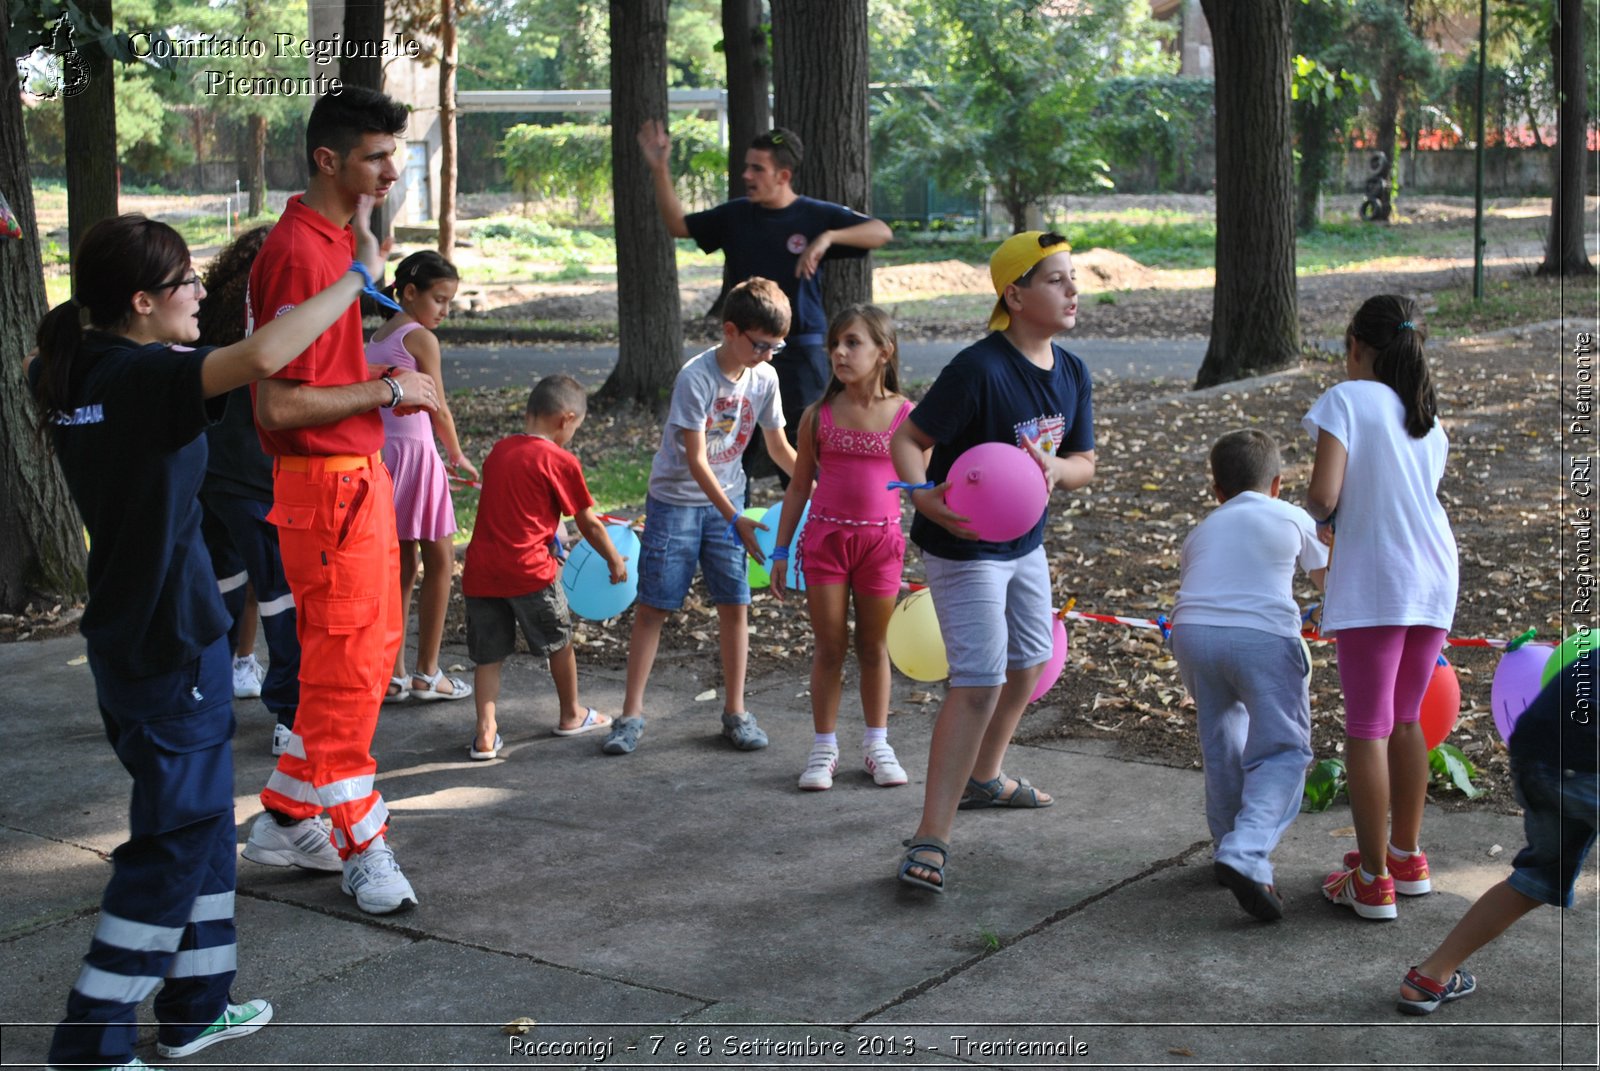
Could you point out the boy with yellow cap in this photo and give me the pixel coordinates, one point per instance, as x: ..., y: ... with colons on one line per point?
x: 993, y: 600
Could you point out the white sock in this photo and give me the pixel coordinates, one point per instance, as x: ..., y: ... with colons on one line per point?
x: 874, y: 736
x: 1398, y: 854
x: 1366, y: 879
x: 826, y: 740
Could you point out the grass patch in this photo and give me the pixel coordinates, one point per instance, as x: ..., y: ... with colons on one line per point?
x: 618, y: 480
x: 1509, y: 303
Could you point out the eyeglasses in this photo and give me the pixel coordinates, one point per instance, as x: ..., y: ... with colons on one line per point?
x: 188, y: 280
x: 773, y: 348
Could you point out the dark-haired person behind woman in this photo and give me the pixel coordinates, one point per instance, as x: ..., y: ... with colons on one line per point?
x: 125, y: 403
x: 236, y: 497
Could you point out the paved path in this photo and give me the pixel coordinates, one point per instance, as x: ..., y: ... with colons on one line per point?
x: 691, y: 894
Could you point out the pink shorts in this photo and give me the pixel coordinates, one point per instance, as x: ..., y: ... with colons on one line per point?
x: 870, y: 558
x: 1384, y: 671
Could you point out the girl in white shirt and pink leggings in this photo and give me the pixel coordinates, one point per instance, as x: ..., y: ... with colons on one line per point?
x: 1391, y: 597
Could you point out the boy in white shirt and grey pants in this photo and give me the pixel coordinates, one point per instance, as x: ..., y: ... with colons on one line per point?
x: 1236, y: 636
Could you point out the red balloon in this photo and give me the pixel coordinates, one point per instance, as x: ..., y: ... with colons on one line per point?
x: 1441, y: 705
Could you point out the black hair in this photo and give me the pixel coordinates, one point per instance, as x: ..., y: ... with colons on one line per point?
x: 1244, y: 460
x: 1391, y: 324
x: 1046, y: 240
x: 421, y: 270
x: 117, y: 258
x: 785, y: 146
x: 340, y: 120
x: 557, y: 394
x: 222, y: 311
x: 758, y: 304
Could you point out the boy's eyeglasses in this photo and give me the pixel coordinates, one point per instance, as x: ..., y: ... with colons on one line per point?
x: 188, y: 280
x: 773, y: 348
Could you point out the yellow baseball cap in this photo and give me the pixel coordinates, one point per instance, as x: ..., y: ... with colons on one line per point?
x: 1015, y: 258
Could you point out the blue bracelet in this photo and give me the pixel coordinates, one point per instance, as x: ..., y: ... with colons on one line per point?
x: 371, y: 289
x: 732, y: 531
x: 901, y: 485
x: 778, y: 554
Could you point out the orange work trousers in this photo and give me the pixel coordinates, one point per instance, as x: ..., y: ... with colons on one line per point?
x: 336, y: 531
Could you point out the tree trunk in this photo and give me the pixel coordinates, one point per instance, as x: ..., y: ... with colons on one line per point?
x: 1254, y: 313
x: 650, y: 328
x: 447, y: 128
x: 256, y: 169
x: 1388, y: 124
x: 90, y: 118
x: 1564, y: 252
x: 819, y: 68
x: 749, y: 72
x: 363, y: 21
x: 1314, y: 131
x: 39, y: 528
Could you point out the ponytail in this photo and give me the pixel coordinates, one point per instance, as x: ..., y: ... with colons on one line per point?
x: 1392, y: 326
x: 59, y: 338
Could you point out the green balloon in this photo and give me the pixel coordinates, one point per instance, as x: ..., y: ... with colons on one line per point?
x: 1579, y: 643
x: 757, y: 573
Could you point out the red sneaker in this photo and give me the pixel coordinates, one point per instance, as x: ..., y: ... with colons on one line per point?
x: 1410, y: 874
x: 1371, y: 901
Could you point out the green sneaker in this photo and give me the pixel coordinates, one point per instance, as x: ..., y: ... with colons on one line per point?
x: 236, y: 1021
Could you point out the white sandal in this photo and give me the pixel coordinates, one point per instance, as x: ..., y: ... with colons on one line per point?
x: 403, y: 684
x: 459, y: 689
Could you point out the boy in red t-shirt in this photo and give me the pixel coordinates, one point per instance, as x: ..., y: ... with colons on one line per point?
x: 530, y: 482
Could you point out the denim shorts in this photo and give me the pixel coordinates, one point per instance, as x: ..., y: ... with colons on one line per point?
x: 1559, y: 809
x: 994, y: 615
x: 676, y: 539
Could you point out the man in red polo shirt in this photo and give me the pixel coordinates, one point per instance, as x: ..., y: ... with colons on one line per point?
x: 334, y: 508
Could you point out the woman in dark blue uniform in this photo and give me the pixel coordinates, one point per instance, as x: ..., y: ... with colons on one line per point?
x: 125, y: 404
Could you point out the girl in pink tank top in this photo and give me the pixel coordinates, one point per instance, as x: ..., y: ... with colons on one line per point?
x: 851, y: 542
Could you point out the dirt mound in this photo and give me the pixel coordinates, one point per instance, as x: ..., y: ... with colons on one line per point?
x: 902, y: 282
x: 1106, y: 269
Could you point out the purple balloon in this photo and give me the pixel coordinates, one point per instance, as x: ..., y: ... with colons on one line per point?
x: 1516, y: 682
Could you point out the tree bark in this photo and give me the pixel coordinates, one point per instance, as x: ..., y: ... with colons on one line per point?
x: 39, y: 527
x: 749, y: 74
x: 1564, y: 252
x: 256, y: 169
x: 447, y: 128
x: 1254, y: 314
x: 90, y: 119
x: 650, y: 328
x: 819, y: 83
x: 363, y: 21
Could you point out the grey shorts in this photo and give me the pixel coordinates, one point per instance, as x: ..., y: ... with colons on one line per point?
x: 492, y: 624
x: 994, y: 615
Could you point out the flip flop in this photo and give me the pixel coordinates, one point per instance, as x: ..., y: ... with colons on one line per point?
x: 484, y: 756
x: 592, y: 720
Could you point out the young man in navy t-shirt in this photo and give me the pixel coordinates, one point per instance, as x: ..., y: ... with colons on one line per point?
x: 774, y: 233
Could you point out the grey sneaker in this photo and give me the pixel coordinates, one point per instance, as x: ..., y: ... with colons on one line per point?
x: 743, y: 732
x: 375, y: 880
x: 624, y: 736
x: 306, y: 844
x: 236, y: 1021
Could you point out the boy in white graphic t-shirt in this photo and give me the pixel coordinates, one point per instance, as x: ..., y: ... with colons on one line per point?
x: 697, y: 490
x: 1236, y: 636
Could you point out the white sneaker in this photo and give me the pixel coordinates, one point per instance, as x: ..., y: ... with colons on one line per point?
x: 247, y: 677
x: 819, y: 768
x: 280, y: 739
x: 134, y: 1064
x: 375, y: 880
x: 236, y: 1021
x: 307, y: 844
x: 880, y: 762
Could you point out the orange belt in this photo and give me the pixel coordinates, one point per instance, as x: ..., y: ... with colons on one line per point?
x: 331, y: 462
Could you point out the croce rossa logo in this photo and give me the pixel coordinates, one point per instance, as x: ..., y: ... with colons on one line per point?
x: 55, y: 70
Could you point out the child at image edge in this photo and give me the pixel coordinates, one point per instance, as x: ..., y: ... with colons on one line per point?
x: 852, y: 542
x: 1236, y: 635
x: 511, y: 581
x: 424, y: 514
x: 993, y: 600
x: 697, y: 485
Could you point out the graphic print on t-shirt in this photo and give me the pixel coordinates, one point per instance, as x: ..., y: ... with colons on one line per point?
x: 1047, y: 431
x: 728, y: 428
x: 796, y: 244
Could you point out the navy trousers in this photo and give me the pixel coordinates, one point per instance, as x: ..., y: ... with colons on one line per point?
x: 244, y: 547
x: 166, y: 919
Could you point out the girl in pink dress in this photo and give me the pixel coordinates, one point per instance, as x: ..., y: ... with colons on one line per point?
x: 852, y: 542
x: 424, y: 284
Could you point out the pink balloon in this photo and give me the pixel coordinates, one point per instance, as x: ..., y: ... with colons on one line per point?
x: 1000, y: 489
x: 1516, y: 682
x: 1058, y: 659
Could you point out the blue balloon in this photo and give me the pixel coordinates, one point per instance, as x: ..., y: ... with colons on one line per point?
x: 586, y: 578
x: 768, y: 540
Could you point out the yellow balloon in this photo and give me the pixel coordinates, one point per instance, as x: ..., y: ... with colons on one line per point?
x: 916, y: 647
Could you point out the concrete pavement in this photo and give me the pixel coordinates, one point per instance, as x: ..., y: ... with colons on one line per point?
x: 690, y: 902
